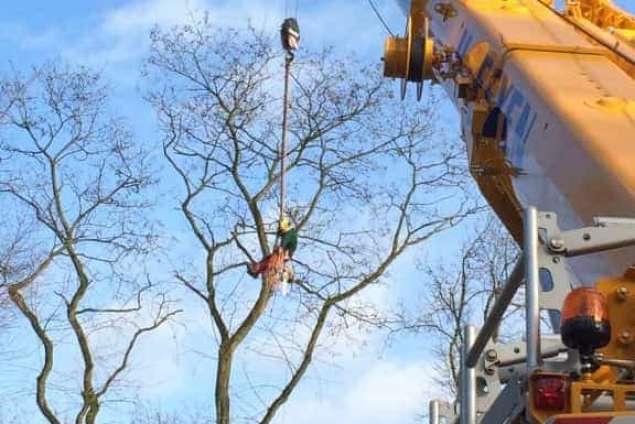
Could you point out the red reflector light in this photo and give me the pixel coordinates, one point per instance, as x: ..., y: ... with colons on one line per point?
x: 588, y: 420
x: 549, y: 392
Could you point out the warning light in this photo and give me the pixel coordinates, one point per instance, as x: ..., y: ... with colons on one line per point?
x: 585, y: 324
x: 549, y: 392
x: 585, y: 302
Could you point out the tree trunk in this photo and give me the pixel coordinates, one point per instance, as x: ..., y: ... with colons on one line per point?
x: 223, y: 374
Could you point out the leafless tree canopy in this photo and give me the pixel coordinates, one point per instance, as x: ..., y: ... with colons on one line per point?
x: 72, y: 185
x: 461, y: 292
x: 368, y: 179
x: 148, y: 415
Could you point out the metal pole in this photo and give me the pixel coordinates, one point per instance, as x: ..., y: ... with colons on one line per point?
x: 496, y: 315
x: 468, y: 379
x: 285, y: 128
x: 532, y: 278
x: 435, y: 412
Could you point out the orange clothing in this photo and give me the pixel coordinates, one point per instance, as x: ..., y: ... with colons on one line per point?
x: 273, y: 262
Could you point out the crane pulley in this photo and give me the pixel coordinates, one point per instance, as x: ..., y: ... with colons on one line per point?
x: 411, y: 57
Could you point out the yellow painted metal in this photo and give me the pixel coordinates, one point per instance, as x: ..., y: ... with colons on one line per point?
x: 620, y: 294
x: 398, y: 50
x: 625, y: 414
x: 626, y: 34
x: 565, y: 84
x: 512, y: 26
x: 619, y: 45
x: 576, y: 160
x: 396, y: 57
x: 493, y: 172
x: 605, y: 14
x: 584, y: 394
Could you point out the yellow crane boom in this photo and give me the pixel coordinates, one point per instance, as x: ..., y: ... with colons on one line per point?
x: 547, y: 105
x: 546, y: 98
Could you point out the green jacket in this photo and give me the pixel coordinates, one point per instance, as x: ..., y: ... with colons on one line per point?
x: 289, y: 241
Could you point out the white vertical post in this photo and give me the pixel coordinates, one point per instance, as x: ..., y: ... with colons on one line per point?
x: 435, y: 412
x: 468, y: 379
x: 532, y: 278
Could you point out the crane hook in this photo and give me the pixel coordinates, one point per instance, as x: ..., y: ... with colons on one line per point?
x: 290, y: 35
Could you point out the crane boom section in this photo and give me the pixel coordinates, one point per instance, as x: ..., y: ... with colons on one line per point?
x: 547, y: 105
x: 546, y: 99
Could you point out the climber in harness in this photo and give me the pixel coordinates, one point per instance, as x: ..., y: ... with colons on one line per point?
x: 276, y: 268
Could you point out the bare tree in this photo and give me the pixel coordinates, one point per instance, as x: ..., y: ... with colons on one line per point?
x: 148, y: 415
x: 15, y: 258
x: 75, y: 172
x: 368, y: 179
x: 461, y: 291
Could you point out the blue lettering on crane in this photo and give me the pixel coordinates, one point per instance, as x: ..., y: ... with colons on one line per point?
x: 465, y: 42
x: 517, y: 100
x: 509, y: 99
x: 521, y: 117
x: 521, y: 126
x: 503, y: 92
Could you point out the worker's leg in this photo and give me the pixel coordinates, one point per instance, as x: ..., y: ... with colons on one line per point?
x: 273, y: 261
x: 256, y: 269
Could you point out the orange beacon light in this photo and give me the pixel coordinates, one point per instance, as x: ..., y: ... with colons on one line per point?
x: 585, y: 324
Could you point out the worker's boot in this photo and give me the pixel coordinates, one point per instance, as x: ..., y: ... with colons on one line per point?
x: 254, y: 269
x: 258, y: 268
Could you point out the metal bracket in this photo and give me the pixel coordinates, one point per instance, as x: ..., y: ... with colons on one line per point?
x: 555, y: 277
x: 486, y: 367
x: 500, y: 365
x: 557, y: 245
x: 516, y: 353
x: 509, y: 404
x: 606, y: 234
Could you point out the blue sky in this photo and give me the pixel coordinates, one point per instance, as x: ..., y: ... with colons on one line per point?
x: 112, y: 36
x: 392, y: 383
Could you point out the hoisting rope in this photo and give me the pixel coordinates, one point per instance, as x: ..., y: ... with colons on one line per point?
x: 276, y: 268
x: 290, y: 35
x: 283, y: 143
x: 380, y: 17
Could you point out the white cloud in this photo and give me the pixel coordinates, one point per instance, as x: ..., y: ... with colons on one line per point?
x: 365, y: 390
x: 117, y: 40
x: 386, y: 393
x: 159, y: 364
x: 121, y: 35
x: 140, y: 16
